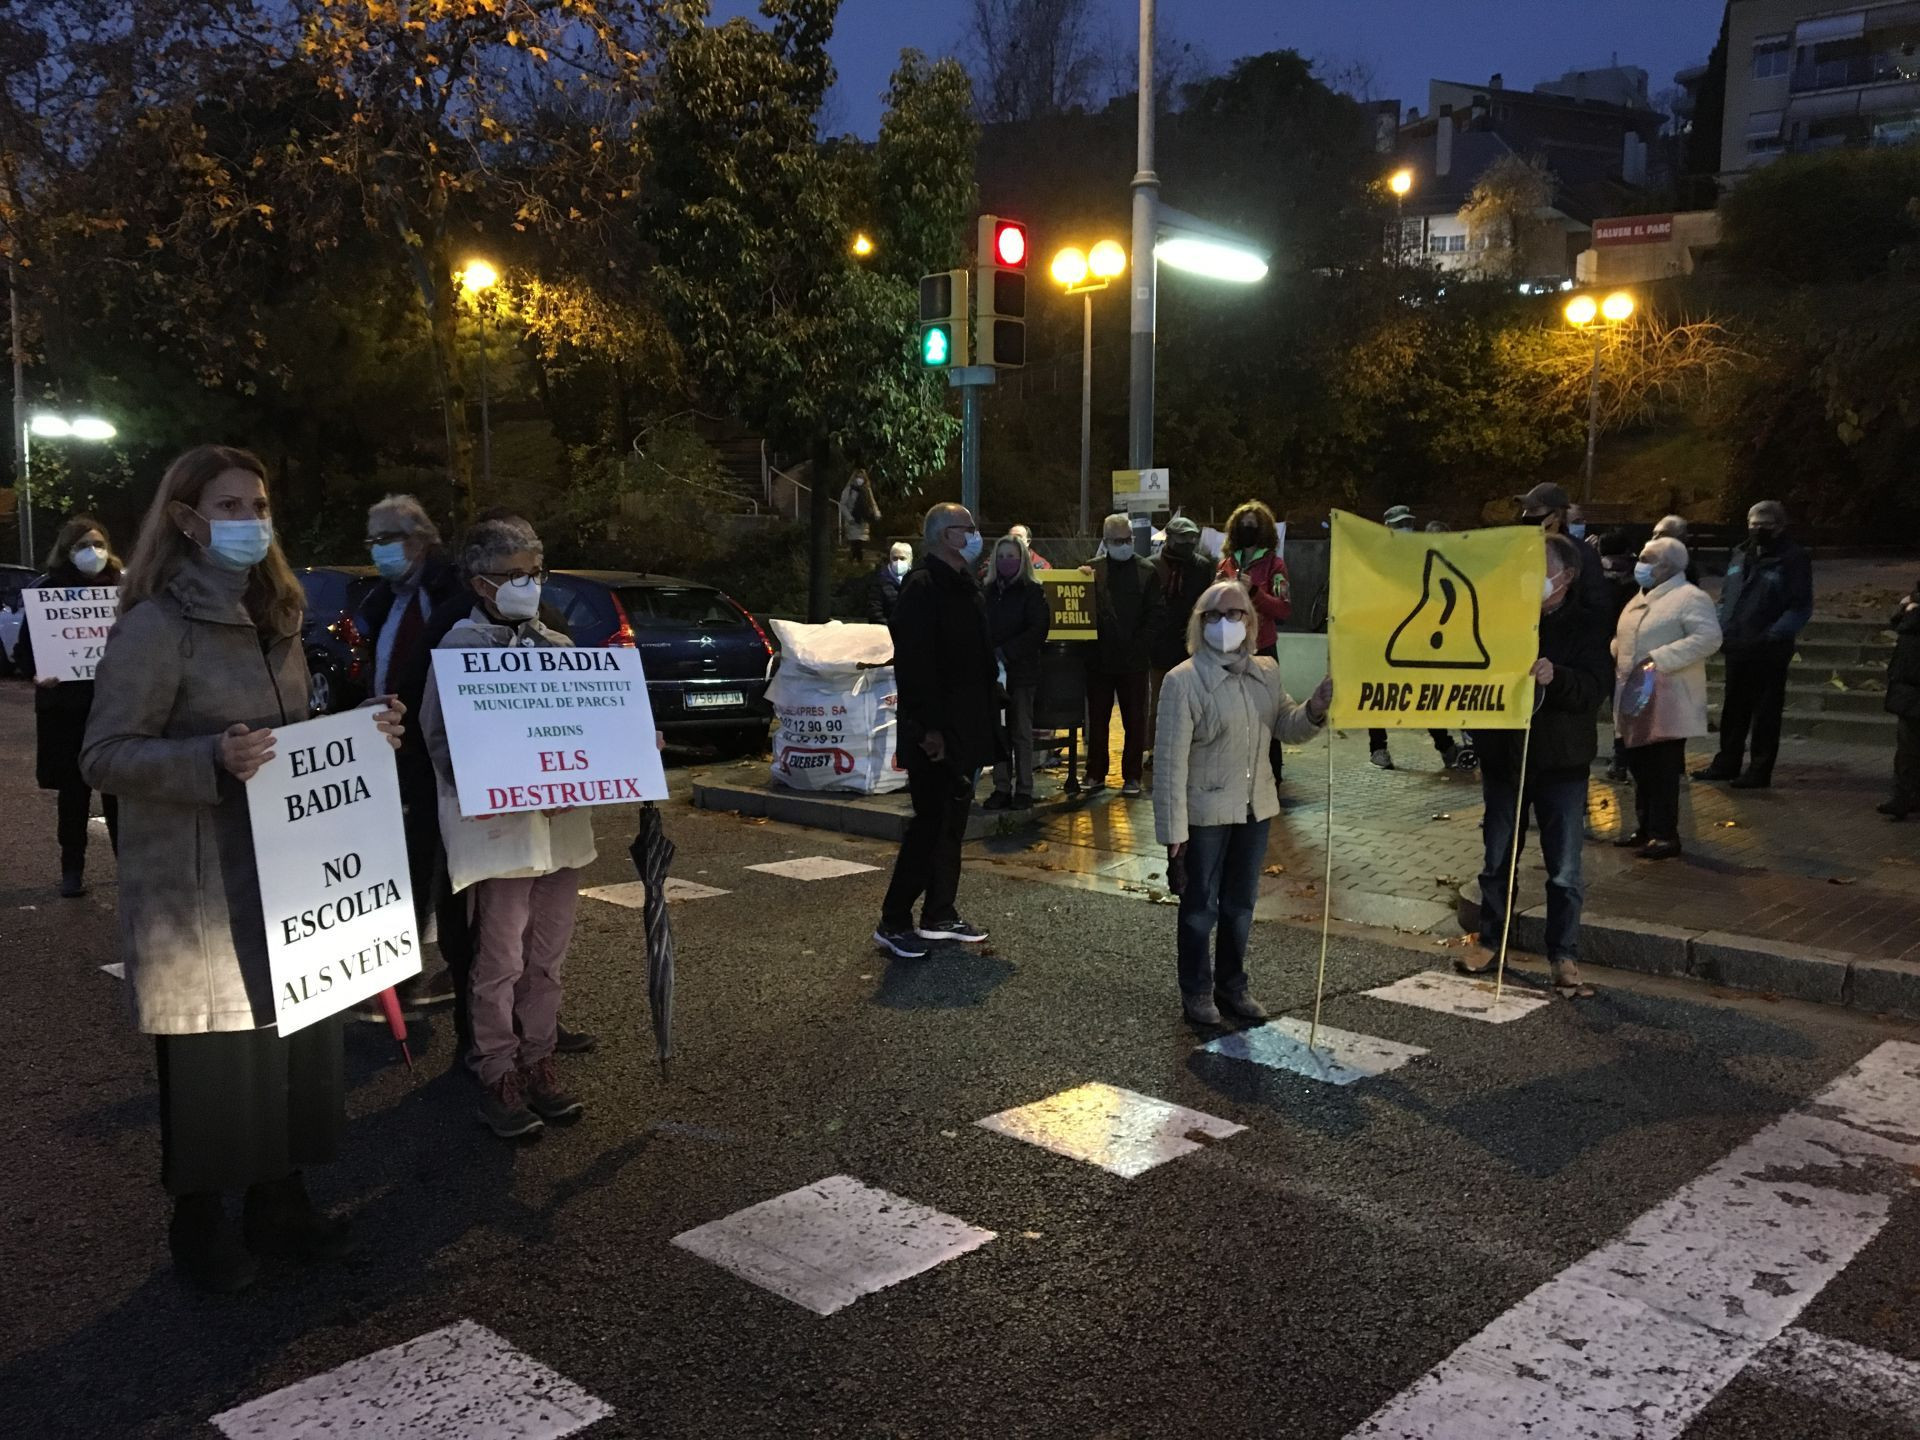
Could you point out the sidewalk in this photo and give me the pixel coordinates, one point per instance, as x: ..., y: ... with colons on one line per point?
x: 1800, y: 890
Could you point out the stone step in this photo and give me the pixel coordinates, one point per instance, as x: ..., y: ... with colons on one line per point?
x: 1822, y: 698
x: 1863, y: 632
x: 1805, y: 672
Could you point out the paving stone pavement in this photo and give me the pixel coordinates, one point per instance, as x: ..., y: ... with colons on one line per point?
x: 1807, y: 862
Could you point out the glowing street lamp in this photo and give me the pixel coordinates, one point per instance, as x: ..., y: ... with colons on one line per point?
x: 862, y: 246
x: 90, y: 429
x: 1212, y: 259
x: 1086, y: 273
x: 1401, y: 184
x: 1584, y: 312
x: 476, y: 279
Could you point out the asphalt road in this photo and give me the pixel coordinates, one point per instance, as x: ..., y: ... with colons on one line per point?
x: 1291, y: 1279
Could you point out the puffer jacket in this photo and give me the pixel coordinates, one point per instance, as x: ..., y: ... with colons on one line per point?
x: 1217, y: 718
x: 515, y: 846
x: 179, y: 669
x: 1674, y: 626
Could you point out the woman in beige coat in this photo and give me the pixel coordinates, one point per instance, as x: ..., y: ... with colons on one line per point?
x: 520, y: 870
x: 1665, y: 637
x: 204, y: 662
x: 1213, y: 792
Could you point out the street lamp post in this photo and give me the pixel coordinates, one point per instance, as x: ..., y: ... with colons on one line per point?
x: 1583, y: 312
x: 49, y: 427
x: 478, y: 278
x: 1400, y: 182
x: 1146, y: 230
x: 1085, y: 275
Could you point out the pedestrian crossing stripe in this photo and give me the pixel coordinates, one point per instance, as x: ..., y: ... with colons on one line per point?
x: 462, y: 1382
x: 1337, y: 1057
x: 1121, y: 1131
x: 827, y: 1244
x: 1462, y: 995
x: 813, y: 867
x: 633, y: 893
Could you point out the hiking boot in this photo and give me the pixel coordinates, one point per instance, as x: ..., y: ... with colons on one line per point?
x: 503, y: 1108
x: 1638, y: 840
x: 1382, y: 757
x: 1716, y: 771
x: 1477, y: 960
x: 280, y: 1219
x: 545, y: 1095
x: 1752, y: 780
x: 1567, y: 980
x: 954, y: 929
x: 998, y: 800
x: 1241, y: 1007
x: 1201, y: 1009
x: 207, y: 1250
x: 901, y: 942
x: 572, y: 1042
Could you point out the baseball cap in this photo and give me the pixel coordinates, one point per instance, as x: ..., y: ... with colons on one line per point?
x: 1544, y: 497
x: 1398, y: 515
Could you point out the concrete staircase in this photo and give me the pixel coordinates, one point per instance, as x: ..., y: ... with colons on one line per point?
x: 1853, y: 653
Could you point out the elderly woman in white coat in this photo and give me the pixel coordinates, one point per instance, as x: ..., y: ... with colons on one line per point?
x: 1214, y: 796
x: 1669, y: 629
x: 522, y: 870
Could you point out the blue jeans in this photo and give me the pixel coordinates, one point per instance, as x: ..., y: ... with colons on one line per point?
x: 1223, y: 881
x: 1560, y: 806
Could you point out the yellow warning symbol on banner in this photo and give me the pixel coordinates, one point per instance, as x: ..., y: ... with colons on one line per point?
x: 1433, y: 631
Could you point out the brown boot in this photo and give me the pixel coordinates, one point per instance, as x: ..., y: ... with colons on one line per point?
x: 545, y: 1095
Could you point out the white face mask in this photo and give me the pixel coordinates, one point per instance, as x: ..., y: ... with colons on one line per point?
x: 1226, y: 636
x: 1546, y: 590
x: 900, y: 568
x: 1122, y: 552
x: 90, y: 559
x: 517, y: 602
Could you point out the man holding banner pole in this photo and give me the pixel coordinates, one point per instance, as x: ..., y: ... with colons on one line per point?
x: 1544, y: 769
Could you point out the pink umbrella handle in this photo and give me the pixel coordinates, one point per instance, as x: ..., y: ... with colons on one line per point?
x: 396, y: 1022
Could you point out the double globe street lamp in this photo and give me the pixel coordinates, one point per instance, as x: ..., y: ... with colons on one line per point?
x: 1086, y: 273
x: 1598, y: 316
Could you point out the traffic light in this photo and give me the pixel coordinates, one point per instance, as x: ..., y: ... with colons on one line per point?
x: 1000, y: 293
x: 945, y: 321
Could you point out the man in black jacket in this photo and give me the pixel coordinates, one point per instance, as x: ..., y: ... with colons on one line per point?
x: 1765, y: 602
x: 948, y: 725
x: 1182, y: 574
x: 1903, y: 701
x: 1573, y: 674
x: 1126, y: 608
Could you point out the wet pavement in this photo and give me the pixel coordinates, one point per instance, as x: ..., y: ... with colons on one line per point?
x: 1300, y: 1258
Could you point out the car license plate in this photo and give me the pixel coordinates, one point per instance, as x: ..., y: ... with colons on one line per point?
x: 714, y: 699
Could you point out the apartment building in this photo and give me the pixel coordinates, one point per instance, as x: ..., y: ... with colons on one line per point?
x: 1803, y: 75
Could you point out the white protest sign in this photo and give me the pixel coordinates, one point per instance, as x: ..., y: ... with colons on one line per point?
x: 69, y: 628
x: 332, y: 858
x: 548, y: 727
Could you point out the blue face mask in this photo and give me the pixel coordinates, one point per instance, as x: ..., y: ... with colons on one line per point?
x: 970, y: 551
x: 391, y: 560
x: 238, y: 544
x: 1643, y: 575
x: 1577, y: 529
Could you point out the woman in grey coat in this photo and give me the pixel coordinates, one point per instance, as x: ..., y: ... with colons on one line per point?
x: 1214, y: 795
x: 204, y: 662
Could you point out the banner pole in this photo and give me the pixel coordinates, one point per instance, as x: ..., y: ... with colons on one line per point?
x: 1326, y: 902
x: 1513, y: 863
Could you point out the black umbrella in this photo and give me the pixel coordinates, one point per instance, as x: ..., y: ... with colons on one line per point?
x: 652, y: 853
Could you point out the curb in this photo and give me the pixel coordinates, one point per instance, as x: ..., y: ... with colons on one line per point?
x: 842, y: 813
x: 1738, y: 962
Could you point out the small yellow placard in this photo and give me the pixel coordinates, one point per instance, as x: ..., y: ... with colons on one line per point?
x: 1070, y: 596
x: 1431, y: 631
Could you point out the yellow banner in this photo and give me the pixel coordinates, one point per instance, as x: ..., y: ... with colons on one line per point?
x: 1070, y: 596
x: 1433, y: 631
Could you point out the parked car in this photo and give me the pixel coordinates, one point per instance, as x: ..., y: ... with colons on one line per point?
x: 339, y: 657
x: 707, y: 659
x: 13, y: 614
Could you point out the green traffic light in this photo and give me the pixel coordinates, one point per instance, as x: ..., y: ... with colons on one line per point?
x: 936, y: 348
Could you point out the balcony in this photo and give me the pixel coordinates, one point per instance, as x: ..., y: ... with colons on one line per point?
x: 1852, y: 72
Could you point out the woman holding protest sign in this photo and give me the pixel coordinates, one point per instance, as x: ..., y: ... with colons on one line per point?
x: 80, y: 558
x: 1214, y: 796
x: 204, y: 662
x: 521, y: 870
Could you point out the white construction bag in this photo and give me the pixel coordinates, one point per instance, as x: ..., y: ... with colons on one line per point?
x: 834, y: 703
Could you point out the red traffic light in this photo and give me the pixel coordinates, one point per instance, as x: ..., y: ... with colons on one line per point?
x: 1010, y: 244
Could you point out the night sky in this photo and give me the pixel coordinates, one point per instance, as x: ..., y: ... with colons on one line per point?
x: 1405, y: 42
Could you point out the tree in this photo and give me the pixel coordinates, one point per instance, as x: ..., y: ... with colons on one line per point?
x: 1504, y: 215
x: 1031, y: 58
x: 750, y: 216
x: 1836, y: 217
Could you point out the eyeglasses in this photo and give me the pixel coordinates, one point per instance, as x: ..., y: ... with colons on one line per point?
x: 519, y: 579
x: 387, y: 537
x: 1225, y: 615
